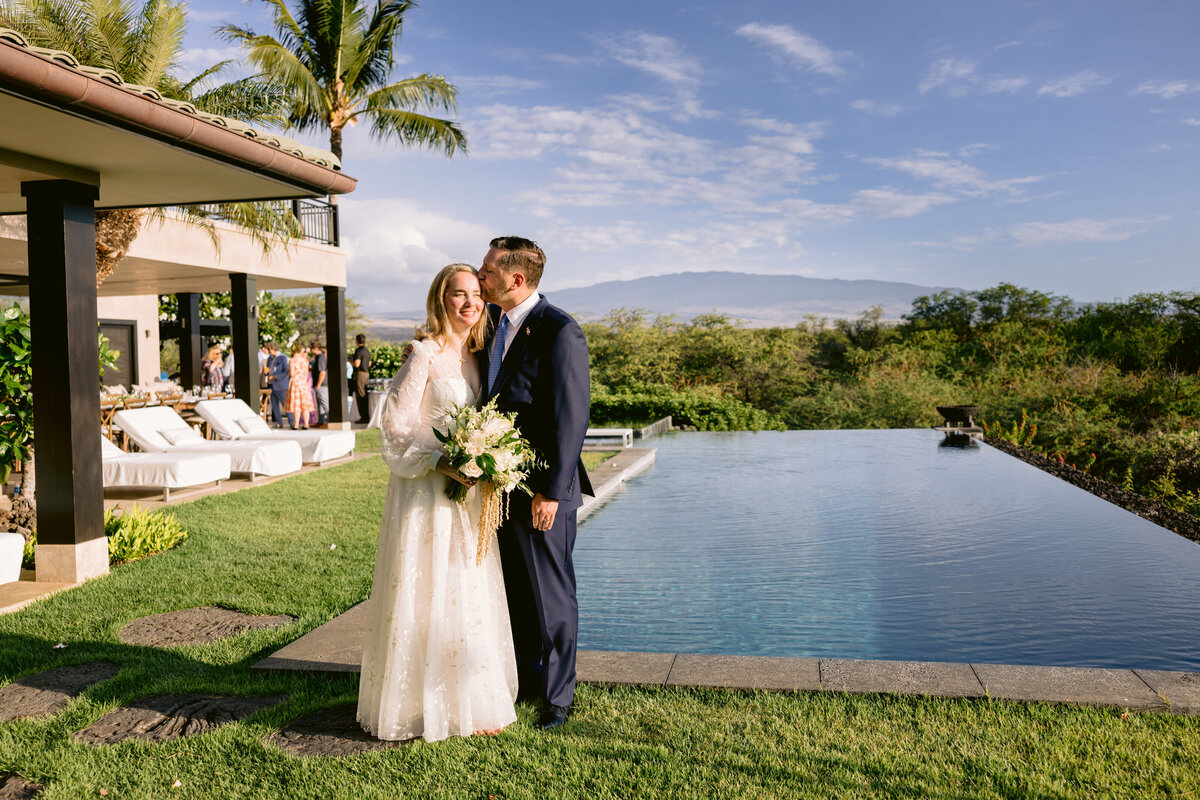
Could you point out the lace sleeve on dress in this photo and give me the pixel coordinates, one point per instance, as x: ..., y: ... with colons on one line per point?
x: 401, y: 432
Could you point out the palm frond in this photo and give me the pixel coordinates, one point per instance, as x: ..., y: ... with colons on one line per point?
x: 189, y: 88
x: 410, y: 94
x: 269, y: 224
x: 249, y: 99
x: 161, y: 40
x: 281, y: 66
x: 372, y: 61
x: 413, y: 129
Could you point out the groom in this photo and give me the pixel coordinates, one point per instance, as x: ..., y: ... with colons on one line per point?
x: 536, y: 364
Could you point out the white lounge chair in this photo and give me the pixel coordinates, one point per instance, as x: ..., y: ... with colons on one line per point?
x: 233, y: 419
x: 165, y: 471
x: 160, y: 430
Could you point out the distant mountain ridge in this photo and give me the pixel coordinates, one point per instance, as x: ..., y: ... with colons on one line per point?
x: 757, y: 300
x: 754, y: 299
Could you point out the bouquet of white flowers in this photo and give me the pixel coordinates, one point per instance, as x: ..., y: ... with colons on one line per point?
x: 485, y: 444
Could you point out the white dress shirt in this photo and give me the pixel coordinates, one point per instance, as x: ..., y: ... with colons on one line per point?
x: 517, y: 316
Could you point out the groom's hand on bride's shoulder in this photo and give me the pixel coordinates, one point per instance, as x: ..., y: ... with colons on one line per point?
x: 544, y: 509
x: 405, y: 353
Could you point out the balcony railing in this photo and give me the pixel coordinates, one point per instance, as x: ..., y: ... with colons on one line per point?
x: 318, y: 218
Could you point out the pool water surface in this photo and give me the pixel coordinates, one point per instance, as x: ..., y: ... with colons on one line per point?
x: 879, y: 544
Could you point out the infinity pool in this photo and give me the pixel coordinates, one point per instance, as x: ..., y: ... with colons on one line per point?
x: 879, y: 544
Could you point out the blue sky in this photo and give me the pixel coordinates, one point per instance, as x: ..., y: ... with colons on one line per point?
x: 1048, y: 144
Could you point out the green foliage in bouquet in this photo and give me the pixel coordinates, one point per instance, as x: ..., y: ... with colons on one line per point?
x: 485, y: 444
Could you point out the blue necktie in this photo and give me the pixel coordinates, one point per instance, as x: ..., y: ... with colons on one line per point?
x: 497, y: 352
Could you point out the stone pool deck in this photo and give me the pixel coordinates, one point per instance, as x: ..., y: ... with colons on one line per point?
x: 336, y: 646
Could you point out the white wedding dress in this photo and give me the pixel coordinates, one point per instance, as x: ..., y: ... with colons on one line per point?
x: 438, y: 655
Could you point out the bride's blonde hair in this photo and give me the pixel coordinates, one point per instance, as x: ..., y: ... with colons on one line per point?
x: 437, y: 318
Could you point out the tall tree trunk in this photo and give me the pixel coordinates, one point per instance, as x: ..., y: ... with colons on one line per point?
x: 29, y: 481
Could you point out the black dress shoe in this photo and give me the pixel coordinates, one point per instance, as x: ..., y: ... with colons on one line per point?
x: 555, y: 717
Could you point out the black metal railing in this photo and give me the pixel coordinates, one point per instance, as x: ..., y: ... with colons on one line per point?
x: 318, y: 220
x: 318, y: 217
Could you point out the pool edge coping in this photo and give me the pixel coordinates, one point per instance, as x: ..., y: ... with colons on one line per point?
x: 335, y: 647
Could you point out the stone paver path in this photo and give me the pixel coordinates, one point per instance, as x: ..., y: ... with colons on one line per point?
x: 196, y: 626
x: 49, y: 692
x: 170, y: 716
x: 327, y: 732
x: 14, y: 787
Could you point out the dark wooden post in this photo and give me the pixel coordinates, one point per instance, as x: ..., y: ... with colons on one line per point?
x: 190, y: 355
x: 61, y: 221
x: 335, y: 342
x: 244, y: 316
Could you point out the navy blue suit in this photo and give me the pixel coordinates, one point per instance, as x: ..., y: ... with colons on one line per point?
x: 544, y: 379
x: 278, y: 367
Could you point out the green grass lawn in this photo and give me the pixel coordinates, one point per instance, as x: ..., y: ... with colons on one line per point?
x: 266, y: 550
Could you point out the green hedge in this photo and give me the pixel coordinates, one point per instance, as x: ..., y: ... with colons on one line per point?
x: 703, y: 408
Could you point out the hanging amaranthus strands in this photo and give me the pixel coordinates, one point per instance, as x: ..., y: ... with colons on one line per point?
x: 493, y: 510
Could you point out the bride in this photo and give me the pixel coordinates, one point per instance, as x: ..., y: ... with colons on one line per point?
x: 438, y: 655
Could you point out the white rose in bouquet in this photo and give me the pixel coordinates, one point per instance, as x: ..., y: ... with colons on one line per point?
x: 496, y: 427
x: 471, y: 469
x: 476, y: 444
x: 506, y: 460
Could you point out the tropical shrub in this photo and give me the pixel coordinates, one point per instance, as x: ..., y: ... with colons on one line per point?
x: 385, y: 360
x: 137, y: 533
x: 16, y: 397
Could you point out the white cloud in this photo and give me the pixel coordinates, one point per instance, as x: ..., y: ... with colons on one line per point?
x: 788, y: 44
x: 1029, y: 234
x: 1076, y: 84
x: 665, y: 59
x: 889, y: 203
x: 1004, y: 85
x: 953, y: 73
x: 660, y: 56
x: 395, y: 246
x: 496, y: 84
x: 876, y: 108
x: 1167, y: 89
x: 964, y: 243
x: 1193, y: 121
x: 948, y: 172
x: 194, y: 60
x: 959, y: 77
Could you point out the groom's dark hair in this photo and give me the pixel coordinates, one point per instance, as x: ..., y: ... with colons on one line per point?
x: 523, y: 255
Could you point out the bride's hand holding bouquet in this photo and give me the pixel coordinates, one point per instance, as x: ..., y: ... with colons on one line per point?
x: 484, y: 445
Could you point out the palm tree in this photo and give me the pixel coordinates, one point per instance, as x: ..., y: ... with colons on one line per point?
x: 335, y: 57
x: 142, y: 43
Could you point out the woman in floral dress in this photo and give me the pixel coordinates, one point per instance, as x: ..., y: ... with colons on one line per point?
x: 299, y: 395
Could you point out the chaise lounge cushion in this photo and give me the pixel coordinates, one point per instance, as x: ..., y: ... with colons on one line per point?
x: 162, y: 470
x: 144, y: 426
x: 225, y: 417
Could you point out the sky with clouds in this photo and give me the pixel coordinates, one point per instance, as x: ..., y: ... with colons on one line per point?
x: 1048, y: 144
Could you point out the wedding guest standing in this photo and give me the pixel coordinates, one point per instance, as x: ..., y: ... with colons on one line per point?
x: 213, y: 367
x: 300, y: 404
x: 320, y: 376
x: 362, y: 376
x: 278, y: 371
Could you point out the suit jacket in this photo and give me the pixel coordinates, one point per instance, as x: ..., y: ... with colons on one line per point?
x: 544, y: 379
x: 278, y: 367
